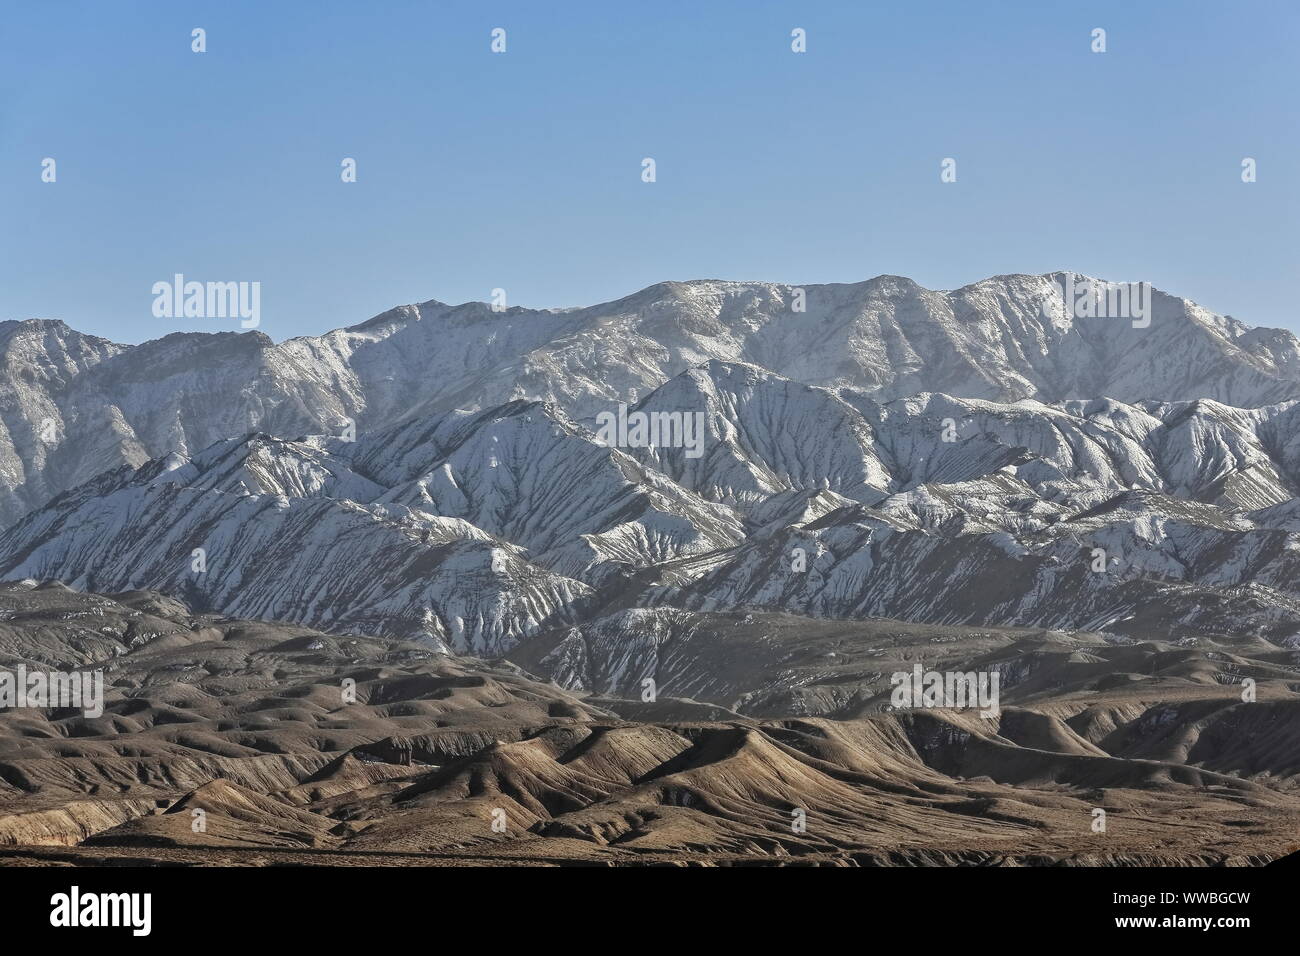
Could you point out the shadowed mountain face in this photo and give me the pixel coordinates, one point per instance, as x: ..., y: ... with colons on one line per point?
x: 225, y: 741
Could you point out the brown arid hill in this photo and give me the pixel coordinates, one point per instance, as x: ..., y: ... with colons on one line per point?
x: 227, y: 742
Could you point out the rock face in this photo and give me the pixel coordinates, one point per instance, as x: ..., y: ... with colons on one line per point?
x: 73, y: 405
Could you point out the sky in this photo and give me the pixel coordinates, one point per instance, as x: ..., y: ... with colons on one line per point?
x: 522, y: 170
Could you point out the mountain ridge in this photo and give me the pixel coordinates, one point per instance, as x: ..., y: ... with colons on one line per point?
x: 1001, y: 338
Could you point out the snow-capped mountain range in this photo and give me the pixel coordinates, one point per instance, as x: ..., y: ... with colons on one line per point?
x: 73, y: 405
x: 981, y: 456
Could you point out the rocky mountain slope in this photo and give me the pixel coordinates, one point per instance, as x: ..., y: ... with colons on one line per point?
x: 659, y: 649
x: 245, y: 743
x: 73, y: 405
x: 479, y: 530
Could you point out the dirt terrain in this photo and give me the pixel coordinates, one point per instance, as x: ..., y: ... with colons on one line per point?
x: 248, y: 743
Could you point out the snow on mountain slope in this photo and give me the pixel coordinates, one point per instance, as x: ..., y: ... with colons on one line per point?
x: 981, y: 457
x: 525, y: 473
x: 1003, y: 338
x: 39, y: 361
x: 483, y: 528
x: 1140, y: 564
x: 263, y: 465
x: 763, y: 435
x: 312, y: 560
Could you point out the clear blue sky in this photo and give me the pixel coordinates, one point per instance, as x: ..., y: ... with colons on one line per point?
x: 523, y: 170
